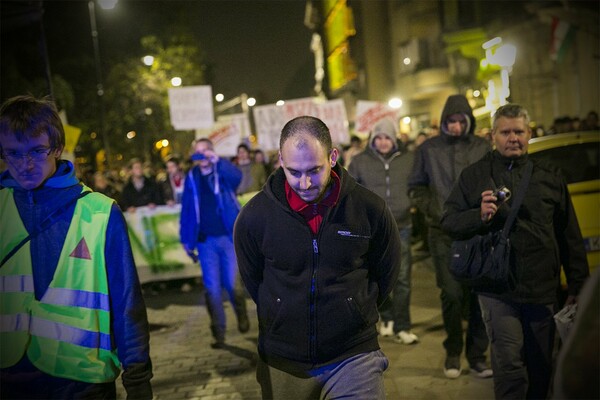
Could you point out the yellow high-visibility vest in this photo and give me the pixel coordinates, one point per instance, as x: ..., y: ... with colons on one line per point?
x: 67, y: 332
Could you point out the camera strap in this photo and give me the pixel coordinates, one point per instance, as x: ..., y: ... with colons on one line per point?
x: 518, y: 199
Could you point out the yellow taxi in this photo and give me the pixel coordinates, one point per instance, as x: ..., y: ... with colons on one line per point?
x: 577, y: 154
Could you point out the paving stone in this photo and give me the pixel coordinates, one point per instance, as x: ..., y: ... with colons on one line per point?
x: 186, y: 368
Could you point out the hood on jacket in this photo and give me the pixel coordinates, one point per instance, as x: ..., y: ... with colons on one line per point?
x: 458, y: 104
x: 63, y: 177
x: 385, y: 127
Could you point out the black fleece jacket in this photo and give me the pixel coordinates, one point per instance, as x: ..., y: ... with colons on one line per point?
x: 545, y: 234
x: 317, y: 296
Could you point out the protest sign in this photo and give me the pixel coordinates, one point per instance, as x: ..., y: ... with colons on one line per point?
x: 270, y: 119
x: 191, y: 107
x: 369, y: 112
x: 227, y: 133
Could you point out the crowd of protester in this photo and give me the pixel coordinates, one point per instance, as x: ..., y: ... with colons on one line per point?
x: 142, y: 183
x: 168, y: 176
x: 393, y: 165
x: 145, y: 184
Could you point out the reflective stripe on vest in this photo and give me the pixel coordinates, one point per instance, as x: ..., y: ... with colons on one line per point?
x: 63, y: 333
x: 14, y: 322
x: 16, y: 283
x: 68, y: 332
x: 77, y: 298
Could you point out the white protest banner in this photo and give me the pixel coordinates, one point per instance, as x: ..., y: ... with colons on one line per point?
x: 268, y: 119
x: 241, y: 121
x: 333, y: 114
x: 227, y: 133
x: 299, y: 107
x: 369, y: 112
x: 191, y: 107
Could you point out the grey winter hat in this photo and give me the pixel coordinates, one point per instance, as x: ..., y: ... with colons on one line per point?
x: 386, y: 127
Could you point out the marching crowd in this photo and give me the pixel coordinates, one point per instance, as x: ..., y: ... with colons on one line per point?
x: 323, y: 249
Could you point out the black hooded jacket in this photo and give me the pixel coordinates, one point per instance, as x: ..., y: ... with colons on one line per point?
x: 440, y: 160
x: 316, y: 295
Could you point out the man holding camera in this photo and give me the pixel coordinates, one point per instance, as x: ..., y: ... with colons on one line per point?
x: 209, y: 208
x: 438, y: 163
x: 545, y: 234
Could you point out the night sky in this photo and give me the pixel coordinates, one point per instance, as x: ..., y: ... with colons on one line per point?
x: 261, y: 48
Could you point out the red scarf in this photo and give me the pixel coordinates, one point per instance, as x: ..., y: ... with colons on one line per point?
x: 313, y: 213
x: 177, y: 180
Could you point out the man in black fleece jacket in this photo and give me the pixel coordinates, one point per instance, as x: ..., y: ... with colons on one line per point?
x: 317, y: 253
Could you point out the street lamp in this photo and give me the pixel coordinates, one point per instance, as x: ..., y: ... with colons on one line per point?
x: 395, y: 102
x: 148, y: 60
x: 99, y: 85
x: 176, y: 81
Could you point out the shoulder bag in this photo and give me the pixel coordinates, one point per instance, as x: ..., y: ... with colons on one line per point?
x: 483, y: 261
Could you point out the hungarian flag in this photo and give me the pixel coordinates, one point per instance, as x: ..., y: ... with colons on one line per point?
x: 563, y: 34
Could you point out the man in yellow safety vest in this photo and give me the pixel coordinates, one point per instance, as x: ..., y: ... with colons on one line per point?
x: 72, y: 312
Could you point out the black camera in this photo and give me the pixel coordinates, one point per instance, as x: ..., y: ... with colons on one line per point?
x: 502, y: 194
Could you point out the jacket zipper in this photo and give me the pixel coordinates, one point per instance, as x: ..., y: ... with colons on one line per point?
x: 312, y: 329
x: 513, y: 183
x: 386, y: 167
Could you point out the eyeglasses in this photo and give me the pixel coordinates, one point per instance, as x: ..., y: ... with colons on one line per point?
x: 36, y: 155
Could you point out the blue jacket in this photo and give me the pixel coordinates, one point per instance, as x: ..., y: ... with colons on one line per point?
x: 228, y: 177
x: 130, y: 324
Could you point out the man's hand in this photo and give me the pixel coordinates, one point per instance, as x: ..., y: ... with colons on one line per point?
x: 212, y: 156
x: 191, y: 253
x: 571, y: 299
x: 488, y: 205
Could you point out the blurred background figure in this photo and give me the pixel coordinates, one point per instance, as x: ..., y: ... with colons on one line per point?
x: 356, y: 146
x: 419, y: 222
x: 274, y: 161
x: 591, y: 122
x: 383, y: 167
x: 209, y: 209
x: 172, y: 181
x: 254, y: 175
x: 438, y: 163
x: 421, y: 137
x: 260, y: 158
x: 102, y: 185
x: 139, y: 190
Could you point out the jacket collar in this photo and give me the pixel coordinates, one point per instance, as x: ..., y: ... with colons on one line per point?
x: 275, y: 186
x: 509, y: 162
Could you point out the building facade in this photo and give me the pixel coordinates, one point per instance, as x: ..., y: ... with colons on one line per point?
x: 543, y: 54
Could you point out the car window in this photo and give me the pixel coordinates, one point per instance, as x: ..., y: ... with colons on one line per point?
x: 578, y: 162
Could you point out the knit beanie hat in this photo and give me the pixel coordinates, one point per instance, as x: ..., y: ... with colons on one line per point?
x: 386, y: 127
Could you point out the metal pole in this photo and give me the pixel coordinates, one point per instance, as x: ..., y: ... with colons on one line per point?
x: 99, y: 86
x: 44, y: 52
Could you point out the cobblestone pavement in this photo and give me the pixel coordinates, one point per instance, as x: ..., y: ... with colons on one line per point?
x: 186, y: 367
